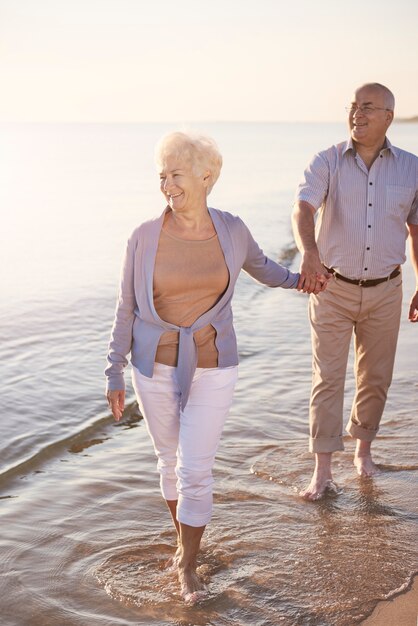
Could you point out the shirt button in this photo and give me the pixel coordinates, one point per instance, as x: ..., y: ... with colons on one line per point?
x: 369, y: 226
x: 367, y: 248
x: 370, y: 204
x: 365, y: 268
x: 370, y: 183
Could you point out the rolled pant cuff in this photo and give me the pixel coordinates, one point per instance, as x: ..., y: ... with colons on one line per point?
x: 169, y: 494
x: 358, y: 432
x: 193, y: 519
x: 325, y: 444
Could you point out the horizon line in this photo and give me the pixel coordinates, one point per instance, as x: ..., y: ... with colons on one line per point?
x: 413, y: 118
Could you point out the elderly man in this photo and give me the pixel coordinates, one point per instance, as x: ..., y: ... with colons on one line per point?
x: 366, y: 194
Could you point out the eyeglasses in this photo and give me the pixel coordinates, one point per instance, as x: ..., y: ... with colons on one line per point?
x: 366, y: 110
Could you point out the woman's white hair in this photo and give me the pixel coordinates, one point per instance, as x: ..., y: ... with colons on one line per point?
x: 198, y: 151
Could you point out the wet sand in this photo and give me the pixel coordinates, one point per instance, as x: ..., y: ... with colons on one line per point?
x: 401, y: 611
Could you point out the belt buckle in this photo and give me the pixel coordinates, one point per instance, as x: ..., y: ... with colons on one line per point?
x: 362, y: 281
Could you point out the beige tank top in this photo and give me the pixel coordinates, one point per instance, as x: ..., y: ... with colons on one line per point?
x: 189, y: 278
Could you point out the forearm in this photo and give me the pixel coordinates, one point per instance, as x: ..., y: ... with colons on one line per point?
x: 413, y: 305
x: 304, y: 228
x: 265, y: 270
x: 272, y: 274
x: 313, y: 275
x: 413, y: 244
x: 119, y: 348
x: 121, y: 335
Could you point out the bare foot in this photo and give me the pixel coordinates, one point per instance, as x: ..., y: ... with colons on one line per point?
x: 364, y: 464
x: 322, y: 478
x: 194, y: 598
x: 363, y: 459
x: 192, y: 588
x: 318, y: 488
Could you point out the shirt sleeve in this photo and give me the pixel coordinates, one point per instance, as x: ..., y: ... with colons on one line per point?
x: 121, y: 336
x: 315, y: 183
x: 265, y: 270
x: 413, y: 213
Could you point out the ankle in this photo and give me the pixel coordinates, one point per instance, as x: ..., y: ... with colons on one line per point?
x: 186, y: 565
x: 323, y: 462
x: 363, y: 448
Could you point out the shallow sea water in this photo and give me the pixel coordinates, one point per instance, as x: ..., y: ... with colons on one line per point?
x: 85, y: 535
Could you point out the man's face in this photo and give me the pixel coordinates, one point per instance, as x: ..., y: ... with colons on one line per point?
x: 369, y: 118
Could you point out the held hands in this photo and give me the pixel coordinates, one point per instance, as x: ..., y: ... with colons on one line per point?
x: 413, y: 308
x: 116, y: 402
x: 313, y: 276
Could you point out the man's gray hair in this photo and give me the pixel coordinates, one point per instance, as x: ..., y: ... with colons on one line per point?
x: 389, y: 97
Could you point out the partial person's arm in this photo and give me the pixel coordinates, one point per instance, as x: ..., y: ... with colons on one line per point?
x: 121, y: 335
x: 413, y: 306
x: 313, y: 275
x: 310, y: 195
x: 264, y: 269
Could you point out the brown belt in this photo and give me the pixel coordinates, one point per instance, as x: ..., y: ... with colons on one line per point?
x: 365, y: 283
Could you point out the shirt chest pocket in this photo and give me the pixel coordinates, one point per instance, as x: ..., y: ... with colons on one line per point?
x: 399, y: 200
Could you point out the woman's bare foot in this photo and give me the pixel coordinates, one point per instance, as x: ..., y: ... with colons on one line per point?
x: 192, y: 588
x: 191, y: 585
x: 321, y: 480
x: 363, y: 459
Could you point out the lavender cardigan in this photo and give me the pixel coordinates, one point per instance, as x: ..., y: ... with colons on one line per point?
x: 137, y: 327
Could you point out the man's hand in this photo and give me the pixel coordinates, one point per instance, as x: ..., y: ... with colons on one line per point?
x: 116, y: 402
x: 413, y: 308
x: 313, y: 275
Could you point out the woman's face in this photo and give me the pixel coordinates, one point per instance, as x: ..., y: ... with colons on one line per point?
x: 182, y: 188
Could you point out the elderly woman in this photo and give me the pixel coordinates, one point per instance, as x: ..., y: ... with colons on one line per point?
x: 174, y: 317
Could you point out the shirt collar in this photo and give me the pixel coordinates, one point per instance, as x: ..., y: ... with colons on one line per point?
x: 388, y: 146
x: 349, y: 145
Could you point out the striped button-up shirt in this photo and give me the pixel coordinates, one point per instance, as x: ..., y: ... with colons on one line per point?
x: 362, y: 214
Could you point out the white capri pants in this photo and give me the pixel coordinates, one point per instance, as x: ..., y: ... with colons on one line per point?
x: 186, y: 441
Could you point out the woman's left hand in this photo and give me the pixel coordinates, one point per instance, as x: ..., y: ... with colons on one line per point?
x: 116, y: 401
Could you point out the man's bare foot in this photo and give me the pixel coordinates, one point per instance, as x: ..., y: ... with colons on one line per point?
x: 318, y: 488
x: 192, y: 588
x: 365, y: 466
x: 321, y: 479
x: 363, y: 459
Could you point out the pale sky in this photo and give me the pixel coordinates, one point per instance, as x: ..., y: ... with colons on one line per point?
x: 202, y: 60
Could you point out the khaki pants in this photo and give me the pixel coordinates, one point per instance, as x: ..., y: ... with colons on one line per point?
x: 373, y: 314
